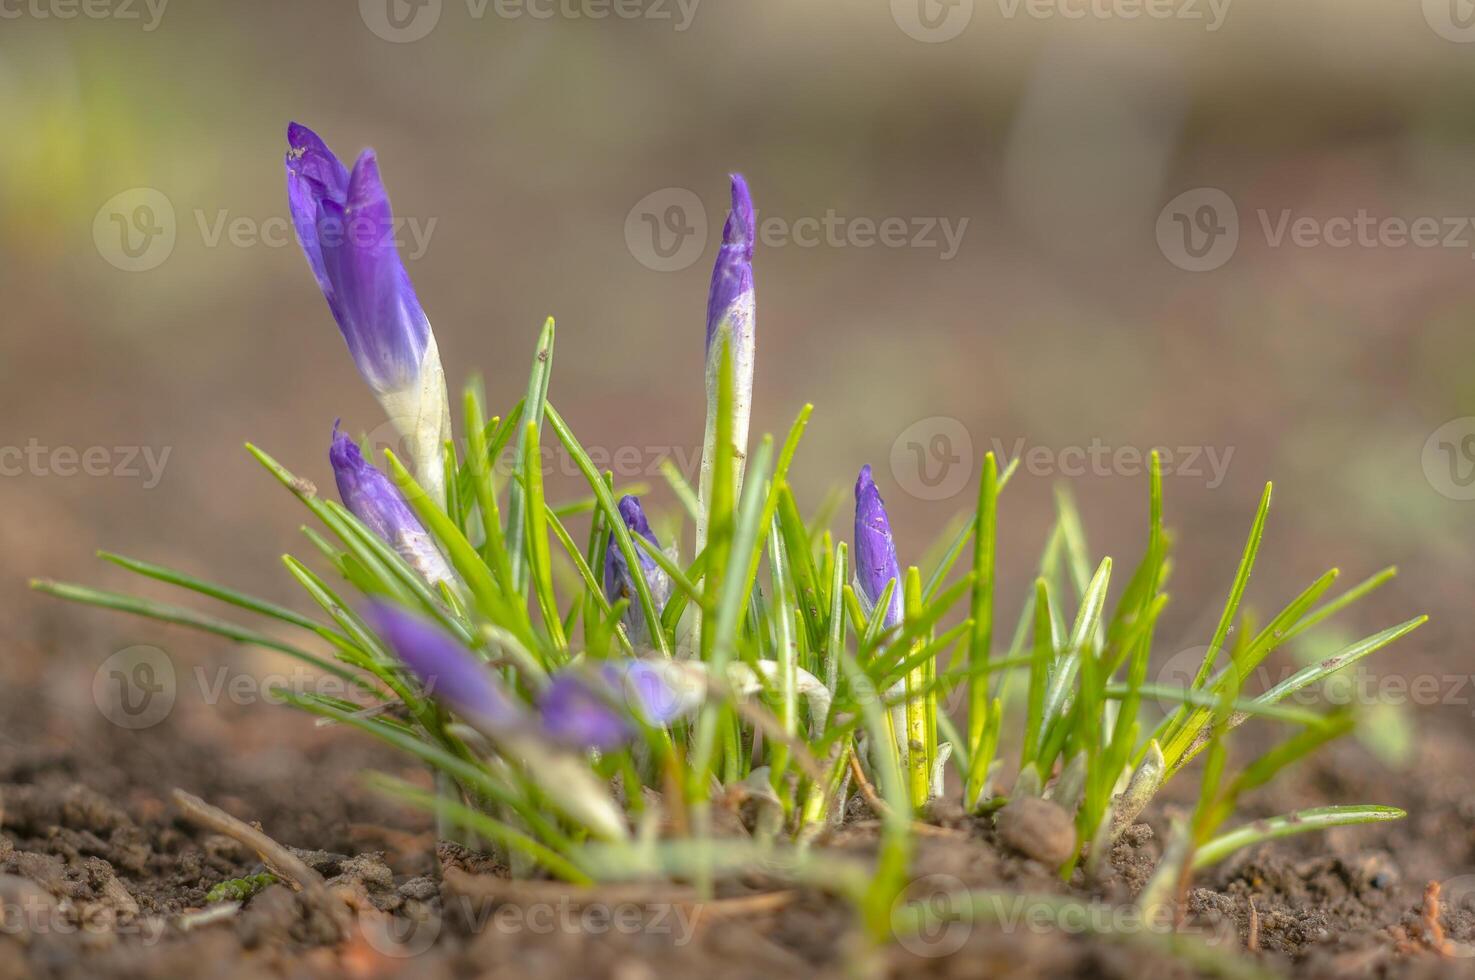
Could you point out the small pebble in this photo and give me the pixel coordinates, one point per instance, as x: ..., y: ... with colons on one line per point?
x: 1037, y: 829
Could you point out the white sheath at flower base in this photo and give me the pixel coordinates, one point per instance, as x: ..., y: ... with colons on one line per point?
x: 743, y: 361
x: 418, y: 550
x: 569, y: 783
x: 421, y: 414
x: 731, y: 306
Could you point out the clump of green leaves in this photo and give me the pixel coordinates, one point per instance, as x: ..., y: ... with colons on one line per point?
x: 801, y: 685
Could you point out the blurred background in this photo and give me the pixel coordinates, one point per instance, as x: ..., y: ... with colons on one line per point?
x: 1070, y: 231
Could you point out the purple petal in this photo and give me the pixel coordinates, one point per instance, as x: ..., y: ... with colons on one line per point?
x: 448, y: 671
x: 346, y: 227
x: 314, y: 174
x: 875, y: 550
x: 381, y: 317
x: 619, y: 583
x: 584, y: 713
x: 599, y: 708
x: 731, y: 296
x: 374, y: 499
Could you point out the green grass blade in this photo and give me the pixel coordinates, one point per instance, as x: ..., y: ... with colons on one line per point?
x: 981, y: 638
x: 1088, y: 620
x: 1317, y: 818
x: 539, y: 556
x: 681, y: 487
x: 1237, y: 591
x: 535, y: 403
x: 180, y: 616
x: 615, y: 522
x: 1349, y: 655
x: 210, y: 589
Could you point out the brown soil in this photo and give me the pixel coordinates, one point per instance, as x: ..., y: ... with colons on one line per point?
x: 99, y: 875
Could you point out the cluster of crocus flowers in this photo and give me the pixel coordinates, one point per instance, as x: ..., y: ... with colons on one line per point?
x: 730, y: 326
x: 347, y: 231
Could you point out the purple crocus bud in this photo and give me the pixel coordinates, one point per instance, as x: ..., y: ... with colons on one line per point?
x: 730, y: 315
x: 347, y: 231
x: 730, y: 302
x: 599, y: 708
x: 619, y: 583
x: 373, y: 498
x: 875, y: 550
x: 448, y: 671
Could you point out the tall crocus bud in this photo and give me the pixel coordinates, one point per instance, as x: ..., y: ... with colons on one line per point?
x: 346, y: 229
x: 449, y: 672
x: 374, y: 499
x: 730, y: 318
x: 619, y: 580
x: 875, y: 550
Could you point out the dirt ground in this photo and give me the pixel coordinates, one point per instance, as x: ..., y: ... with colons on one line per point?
x: 101, y: 875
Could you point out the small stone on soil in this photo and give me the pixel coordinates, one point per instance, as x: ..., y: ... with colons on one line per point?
x: 1037, y: 829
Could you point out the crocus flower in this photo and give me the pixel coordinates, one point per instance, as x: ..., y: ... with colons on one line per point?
x: 619, y: 581
x: 454, y: 676
x: 730, y: 317
x: 373, y: 498
x: 346, y: 228
x: 875, y: 550
x: 449, y: 672
x: 598, y: 708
